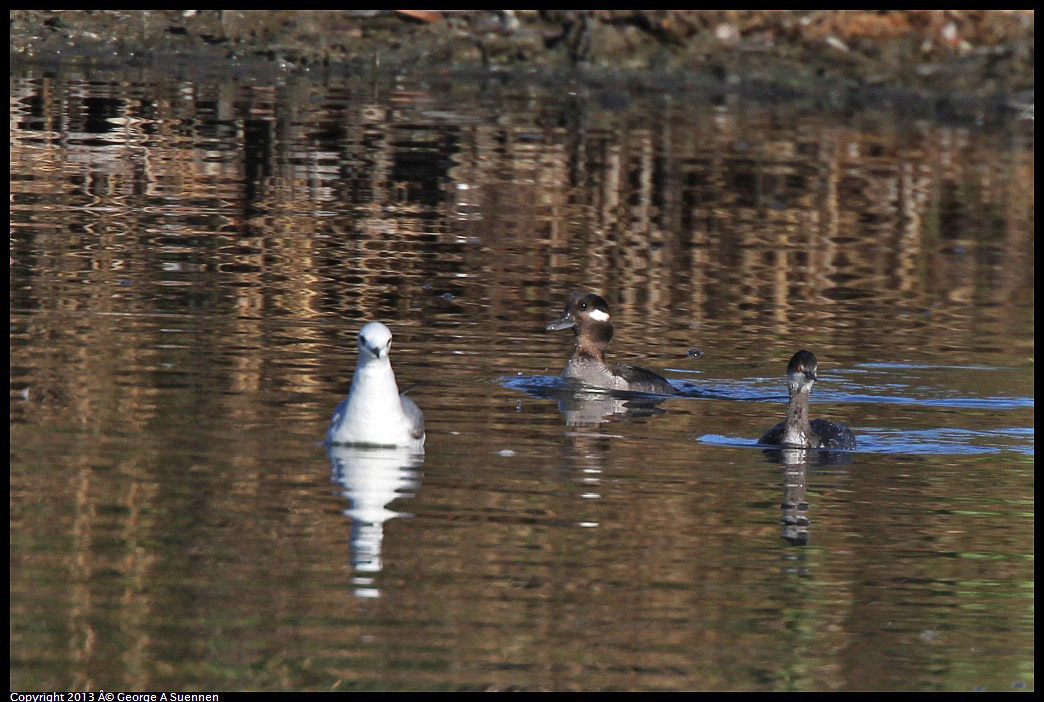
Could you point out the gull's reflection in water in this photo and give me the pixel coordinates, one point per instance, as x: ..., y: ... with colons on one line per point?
x: 372, y: 477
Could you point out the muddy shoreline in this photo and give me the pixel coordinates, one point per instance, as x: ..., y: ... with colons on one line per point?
x: 955, y: 55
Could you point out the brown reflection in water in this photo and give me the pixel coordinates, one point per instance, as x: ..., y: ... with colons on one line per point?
x: 773, y: 221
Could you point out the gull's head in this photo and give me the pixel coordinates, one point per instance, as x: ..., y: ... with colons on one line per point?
x: 374, y: 341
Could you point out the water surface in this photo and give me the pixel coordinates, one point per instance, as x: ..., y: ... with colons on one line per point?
x: 191, y: 261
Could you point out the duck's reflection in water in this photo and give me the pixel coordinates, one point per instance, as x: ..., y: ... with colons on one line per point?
x: 581, y: 405
x: 584, y: 408
x: 372, y: 477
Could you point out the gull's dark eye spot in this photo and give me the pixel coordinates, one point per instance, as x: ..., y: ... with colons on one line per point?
x: 583, y: 305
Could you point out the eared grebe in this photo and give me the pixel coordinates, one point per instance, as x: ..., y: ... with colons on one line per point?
x: 797, y: 430
x: 588, y: 315
x: 374, y: 413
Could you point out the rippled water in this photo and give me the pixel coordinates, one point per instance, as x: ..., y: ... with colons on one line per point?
x: 191, y: 261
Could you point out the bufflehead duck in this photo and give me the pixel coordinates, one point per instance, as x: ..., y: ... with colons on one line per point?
x: 588, y: 315
x: 374, y: 412
x: 797, y: 430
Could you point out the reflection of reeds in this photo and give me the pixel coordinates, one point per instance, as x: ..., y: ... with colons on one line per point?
x: 763, y: 218
x: 310, y: 203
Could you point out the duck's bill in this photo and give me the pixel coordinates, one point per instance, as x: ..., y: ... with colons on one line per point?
x: 564, y: 322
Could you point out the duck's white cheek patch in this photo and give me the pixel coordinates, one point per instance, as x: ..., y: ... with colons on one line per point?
x: 599, y: 315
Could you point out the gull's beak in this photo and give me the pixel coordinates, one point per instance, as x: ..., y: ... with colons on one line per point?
x: 378, y: 351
